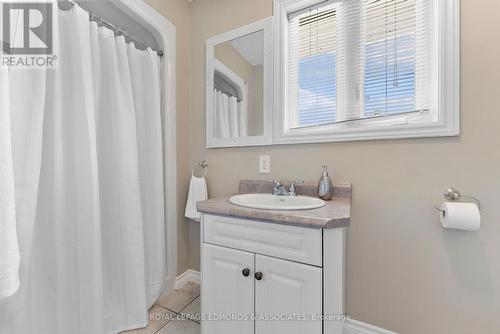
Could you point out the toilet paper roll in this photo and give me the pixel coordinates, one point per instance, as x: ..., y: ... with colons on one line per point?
x: 460, y: 216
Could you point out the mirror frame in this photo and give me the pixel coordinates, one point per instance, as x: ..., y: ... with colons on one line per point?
x: 266, y: 138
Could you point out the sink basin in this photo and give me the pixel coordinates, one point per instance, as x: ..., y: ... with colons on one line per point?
x: 274, y: 202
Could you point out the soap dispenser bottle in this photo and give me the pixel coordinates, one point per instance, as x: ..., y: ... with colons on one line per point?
x: 325, y: 187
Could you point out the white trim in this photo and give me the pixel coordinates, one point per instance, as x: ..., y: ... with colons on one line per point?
x: 234, y: 78
x: 164, y: 32
x: 357, y: 327
x: 266, y: 139
x: 449, y: 87
x: 189, y: 275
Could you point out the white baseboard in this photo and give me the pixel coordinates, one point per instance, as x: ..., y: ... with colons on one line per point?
x: 190, y: 275
x: 357, y: 327
x: 350, y: 326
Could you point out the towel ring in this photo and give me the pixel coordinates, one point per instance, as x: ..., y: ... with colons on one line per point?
x: 205, y: 167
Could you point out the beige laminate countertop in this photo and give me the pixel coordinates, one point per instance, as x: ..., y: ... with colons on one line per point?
x: 336, y: 213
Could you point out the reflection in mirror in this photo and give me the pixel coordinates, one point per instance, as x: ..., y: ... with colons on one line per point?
x: 239, y: 87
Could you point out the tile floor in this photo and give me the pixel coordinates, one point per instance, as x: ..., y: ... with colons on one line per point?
x: 178, y: 313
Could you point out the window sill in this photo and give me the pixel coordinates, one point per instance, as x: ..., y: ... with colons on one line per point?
x: 349, y: 132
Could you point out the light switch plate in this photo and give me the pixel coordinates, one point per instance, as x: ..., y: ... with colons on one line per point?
x: 265, y: 164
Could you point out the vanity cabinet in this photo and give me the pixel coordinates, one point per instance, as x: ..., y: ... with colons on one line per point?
x: 259, y: 277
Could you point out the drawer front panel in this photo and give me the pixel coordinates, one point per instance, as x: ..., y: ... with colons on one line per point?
x: 282, y: 241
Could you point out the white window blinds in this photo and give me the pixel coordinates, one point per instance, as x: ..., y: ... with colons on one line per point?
x: 390, y: 56
x: 356, y: 59
x: 312, y: 60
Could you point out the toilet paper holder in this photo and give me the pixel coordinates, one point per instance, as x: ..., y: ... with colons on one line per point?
x: 453, y: 194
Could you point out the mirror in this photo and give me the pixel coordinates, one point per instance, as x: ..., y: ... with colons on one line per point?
x: 239, y: 78
x: 239, y: 86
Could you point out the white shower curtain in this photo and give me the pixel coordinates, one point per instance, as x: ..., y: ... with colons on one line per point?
x: 9, y: 250
x: 233, y: 117
x: 229, y: 116
x: 87, y: 158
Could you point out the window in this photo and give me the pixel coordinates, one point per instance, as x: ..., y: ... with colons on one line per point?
x: 312, y: 67
x: 366, y: 69
x: 390, y: 56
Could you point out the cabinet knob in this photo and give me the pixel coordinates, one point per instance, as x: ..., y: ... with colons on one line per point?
x: 258, y: 276
x: 246, y: 272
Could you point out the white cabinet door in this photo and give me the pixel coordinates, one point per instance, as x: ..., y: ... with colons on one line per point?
x: 227, y: 295
x: 290, y: 291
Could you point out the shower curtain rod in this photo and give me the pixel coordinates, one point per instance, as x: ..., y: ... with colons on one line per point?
x: 68, y: 4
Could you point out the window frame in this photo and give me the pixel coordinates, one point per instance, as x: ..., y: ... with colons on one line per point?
x: 447, y: 93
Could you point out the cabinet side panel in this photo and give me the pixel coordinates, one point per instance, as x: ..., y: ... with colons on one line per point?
x: 333, y: 279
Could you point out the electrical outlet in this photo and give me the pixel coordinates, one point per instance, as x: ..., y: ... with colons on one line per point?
x: 265, y: 164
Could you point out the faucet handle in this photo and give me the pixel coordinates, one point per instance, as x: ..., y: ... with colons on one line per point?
x: 275, y: 183
x: 292, y: 192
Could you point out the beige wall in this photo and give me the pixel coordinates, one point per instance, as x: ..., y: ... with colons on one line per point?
x: 229, y: 56
x: 404, y: 273
x: 256, y: 96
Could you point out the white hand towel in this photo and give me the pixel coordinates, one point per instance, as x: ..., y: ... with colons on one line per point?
x: 197, y: 192
x: 9, y: 250
x: 233, y: 117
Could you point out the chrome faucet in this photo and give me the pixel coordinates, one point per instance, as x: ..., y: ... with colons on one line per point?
x: 280, y: 190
